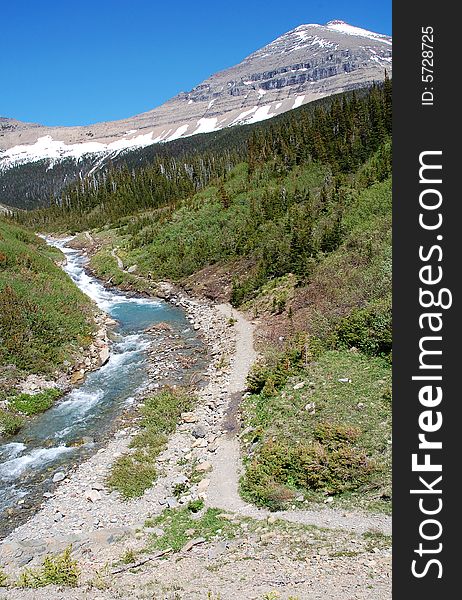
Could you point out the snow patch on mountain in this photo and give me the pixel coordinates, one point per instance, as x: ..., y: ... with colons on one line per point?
x: 343, y: 27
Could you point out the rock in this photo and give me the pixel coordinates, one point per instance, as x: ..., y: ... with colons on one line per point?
x: 157, y: 531
x: 192, y: 543
x: 328, y: 500
x: 163, y: 326
x: 267, y: 537
x: 199, y: 431
x: 226, y: 516
x: 203, y: 485
x: 180, y: 479
x: 59, y: 476
x: 200, y: 443
x: 172, y: 502
x: 189, y: 417
x: 104, y: 355
x: 213, y: 447
x: 77, y: 377
x: 97, y: 486
x: 218, y: 550
x: 203, y: 467
x: 132, y: 269
x: 92, y: 495
x: 360, y: 405
x: 299, y: 386
x: 344, y: 380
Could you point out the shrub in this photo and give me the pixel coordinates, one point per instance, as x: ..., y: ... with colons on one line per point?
x: 330, y: 463
x: 267, y: 378
x: 10, y: 423
x: 369, y: 329
x: 31, y: 404
x: 58, y: 569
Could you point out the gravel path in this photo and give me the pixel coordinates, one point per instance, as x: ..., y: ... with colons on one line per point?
x: 227, y: 465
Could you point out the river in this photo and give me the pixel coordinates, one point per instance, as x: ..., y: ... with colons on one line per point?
x: 77, y: 425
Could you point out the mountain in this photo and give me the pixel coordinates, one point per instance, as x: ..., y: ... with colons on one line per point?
x: 307, y: 63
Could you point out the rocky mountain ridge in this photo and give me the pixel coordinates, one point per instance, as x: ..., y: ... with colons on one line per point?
x: 309, y: 62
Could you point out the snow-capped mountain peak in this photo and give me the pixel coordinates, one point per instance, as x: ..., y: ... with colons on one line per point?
x: 304, y: 64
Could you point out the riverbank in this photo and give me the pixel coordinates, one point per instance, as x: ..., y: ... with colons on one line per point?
x: 28, y: 388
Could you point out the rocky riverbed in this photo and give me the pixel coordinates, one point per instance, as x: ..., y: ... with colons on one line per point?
x: 82, y: 506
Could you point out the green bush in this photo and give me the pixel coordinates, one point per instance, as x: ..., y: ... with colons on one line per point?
x: 10, y: 423
x: 270, y: 376
x: 333, y: 466
x: 58, y: 569
x: 368, y: 329
x: 32, y: 404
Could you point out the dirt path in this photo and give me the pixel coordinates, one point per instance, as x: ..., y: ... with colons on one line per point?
x: 227, y: 465
x: 120, y: 264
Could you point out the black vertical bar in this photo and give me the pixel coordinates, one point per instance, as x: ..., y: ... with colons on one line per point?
x: 417, y: 127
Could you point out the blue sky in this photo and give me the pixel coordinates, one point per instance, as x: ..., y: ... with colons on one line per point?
x: 79, y: 62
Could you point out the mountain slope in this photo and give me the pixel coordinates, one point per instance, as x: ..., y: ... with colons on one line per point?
x: 309, y: 62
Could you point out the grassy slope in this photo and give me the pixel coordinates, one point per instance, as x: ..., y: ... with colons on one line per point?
x: 353, y: 280
x: 44, y: 318
x: 344, y: 303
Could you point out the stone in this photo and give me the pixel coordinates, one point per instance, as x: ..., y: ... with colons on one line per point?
x: 97, y: 486
x: 189, y: 417
x: 92, y: 495
x: 203, y: 485
x: 157, y: 531
x: 192, y: 543
x: 299, y: 386
x: 213, y: 447
x: 160, y: 327
x: 59, y: 476
x: 199, y: 431
x: 77, y: 377
x: 132, y: 269
x: 200, y: 443
x: 344, y: 380
x: 203, y: 467
x: 172, y: 502
x: 104, y: 355
x: 179, y: 480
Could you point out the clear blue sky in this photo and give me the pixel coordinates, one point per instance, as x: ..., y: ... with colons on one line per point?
x: 66, y: 62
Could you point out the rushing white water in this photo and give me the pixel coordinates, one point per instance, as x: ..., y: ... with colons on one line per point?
x: 53, y: 440
x: 105, y: 299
